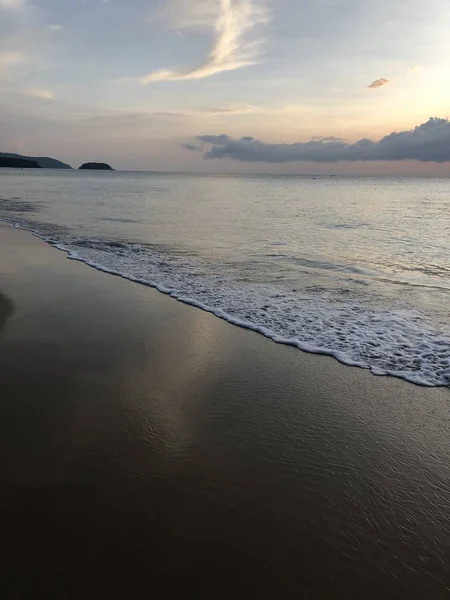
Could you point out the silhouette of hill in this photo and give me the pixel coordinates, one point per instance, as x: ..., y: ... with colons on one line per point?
x: 96, y: 166
x: 43, y: 161
x: 18, y: 163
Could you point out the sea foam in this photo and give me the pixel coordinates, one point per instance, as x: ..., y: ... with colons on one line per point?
x: 402, y: 342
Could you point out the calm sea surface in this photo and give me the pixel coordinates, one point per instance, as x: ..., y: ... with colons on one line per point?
x: 358, y: 268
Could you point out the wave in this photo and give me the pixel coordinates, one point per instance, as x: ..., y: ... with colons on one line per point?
x: 401, y: 342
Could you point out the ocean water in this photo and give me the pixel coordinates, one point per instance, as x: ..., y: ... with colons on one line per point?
x: 357, y: 268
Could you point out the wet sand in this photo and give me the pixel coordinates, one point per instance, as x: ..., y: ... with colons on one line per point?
x: 149, y: 449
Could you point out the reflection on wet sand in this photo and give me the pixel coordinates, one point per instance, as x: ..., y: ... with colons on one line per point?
x: 6, y: 310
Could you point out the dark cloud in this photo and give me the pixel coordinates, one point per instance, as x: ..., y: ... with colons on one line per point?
x: 330, y: 138
x: 429, y: 142
x: 378, y: 83
x: 191, y: 147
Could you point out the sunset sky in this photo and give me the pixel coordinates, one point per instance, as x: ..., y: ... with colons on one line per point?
x: 136, y: 82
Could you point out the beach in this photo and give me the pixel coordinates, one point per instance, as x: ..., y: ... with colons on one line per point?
x: 150, y: 448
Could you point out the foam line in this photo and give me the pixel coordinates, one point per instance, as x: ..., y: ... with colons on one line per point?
x: 399, y: 343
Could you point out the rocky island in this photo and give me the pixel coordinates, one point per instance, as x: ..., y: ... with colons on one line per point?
x: 96, y: 166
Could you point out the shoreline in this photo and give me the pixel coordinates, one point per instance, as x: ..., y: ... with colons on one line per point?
x: 338, y: 355
x: 147, y: 445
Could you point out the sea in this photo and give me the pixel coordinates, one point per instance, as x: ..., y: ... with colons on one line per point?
x: 357, y: 268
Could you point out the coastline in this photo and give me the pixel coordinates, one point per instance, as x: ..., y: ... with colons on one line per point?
x: 306, y: 347
x: 147, y: 443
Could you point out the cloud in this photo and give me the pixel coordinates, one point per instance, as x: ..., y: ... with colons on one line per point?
x: 9, y: 59
x: 429, y: 142
x: 54, y: 27
x: 235, y: 109
x: 192, y: 147
x: 12, y: 4
x: 41, y: 94
x: 378, y: 83
x: 188, y: 14
x: 231, y: 48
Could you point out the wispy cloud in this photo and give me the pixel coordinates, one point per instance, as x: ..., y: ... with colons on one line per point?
x: 188, y: 14
x: 232, y: 49
x: 11, y: 58
x: 192, y: 147
x: 378, y: 83
x: 429, y: 142
x: 234, y: 109
x: 54, y: 27
x: 12, y: 4
x: 41, y: 94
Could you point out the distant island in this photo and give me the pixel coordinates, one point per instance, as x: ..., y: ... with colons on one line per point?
x: 43, y: 162
x: 96, y: 166
x: 18, y: 163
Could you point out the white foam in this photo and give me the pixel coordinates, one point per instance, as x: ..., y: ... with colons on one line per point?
x: 402, y: 343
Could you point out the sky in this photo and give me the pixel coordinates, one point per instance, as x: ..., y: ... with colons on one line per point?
x: 257, y: 86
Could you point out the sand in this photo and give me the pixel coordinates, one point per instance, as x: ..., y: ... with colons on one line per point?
x: 149, y: 449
